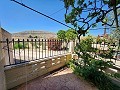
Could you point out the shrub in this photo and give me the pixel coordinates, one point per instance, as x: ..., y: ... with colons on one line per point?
x: 99, y: 40
x: 20, y: 45
x: 92, y: 69
x: 94, y: 73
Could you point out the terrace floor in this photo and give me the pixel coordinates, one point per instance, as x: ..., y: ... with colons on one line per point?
x: 63, y: 79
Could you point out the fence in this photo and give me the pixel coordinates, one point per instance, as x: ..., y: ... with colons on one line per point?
x: 106, y: 51
x: 23, y: 73
x: 23, y: 51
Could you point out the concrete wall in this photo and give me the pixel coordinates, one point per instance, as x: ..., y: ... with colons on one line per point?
x: 3, y: 36
x: 21, y: 73
x: 2, y: 74
x: 71, y: 46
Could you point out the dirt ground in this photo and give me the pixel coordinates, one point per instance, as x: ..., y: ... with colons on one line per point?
x: 62, y: 80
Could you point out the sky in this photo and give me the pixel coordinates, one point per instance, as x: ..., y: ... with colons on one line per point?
x: 15, y: 18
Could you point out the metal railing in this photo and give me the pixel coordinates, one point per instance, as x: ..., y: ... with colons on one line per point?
x: 23, y: 51
x: 107, y: 51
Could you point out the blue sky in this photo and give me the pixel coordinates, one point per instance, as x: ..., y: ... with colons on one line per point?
x: 15, y: 18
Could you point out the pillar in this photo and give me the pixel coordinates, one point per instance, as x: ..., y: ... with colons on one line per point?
x: 2, y: 73
x: 71, y: 46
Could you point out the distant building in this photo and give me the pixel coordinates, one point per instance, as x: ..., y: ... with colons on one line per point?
x: 104, y: 36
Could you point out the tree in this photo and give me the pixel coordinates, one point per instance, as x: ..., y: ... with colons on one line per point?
x: 61, y: 34
x: 85, y: 14
x: 115, y: 33
x: 71, y: 34
x: 36, y: 37
x: 98, y: 40
x: 30, y: 36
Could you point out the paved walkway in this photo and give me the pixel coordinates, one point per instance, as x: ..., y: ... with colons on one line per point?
x: 62, y: 80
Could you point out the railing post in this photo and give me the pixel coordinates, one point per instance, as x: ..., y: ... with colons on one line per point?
x: 2, y: 74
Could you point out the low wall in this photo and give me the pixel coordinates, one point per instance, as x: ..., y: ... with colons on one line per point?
x: 3, y: 36
x: 2, y: 75
x: 19, y: 74
x: 2, y: 61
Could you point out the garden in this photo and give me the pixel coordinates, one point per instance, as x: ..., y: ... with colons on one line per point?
x: 95, y: 55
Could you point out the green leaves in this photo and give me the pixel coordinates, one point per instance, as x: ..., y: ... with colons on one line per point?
x: 105, y: 20
x: 87, y: 13
x: 106, y: 1
x: 115, y: 34
x: 94, y: 73
x: 100, y: 64
x: 68, y: 3
x: 80, y: 2
x: 111, y: 3
x: 61, y: 34
x: 69, y: 34
x: 93, y: 14
x: 90, y: 68
x: 94, y: 25
x: 118, y: 2
x: 116, y: 75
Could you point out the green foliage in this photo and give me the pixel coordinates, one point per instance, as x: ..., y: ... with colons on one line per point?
x: 85, y: 45
x: 71, y: 34
x: 94, y: 73
x: 106, y: 1
x: 61, y: 34
x: 105, y: 20
x: 36, y: 37
x: 18, y: 46
x: 99, y: 40
x: 94, y: 25
x: 115, y: 34
x: 30, y: 36
x: 85, y: 14
x: 92, y: 69
x: 67, y: 35
x: 112, y: 2
x: 108, y: 54
x: 116, y: 75
x: 36, y: 46
x: 68, y: 3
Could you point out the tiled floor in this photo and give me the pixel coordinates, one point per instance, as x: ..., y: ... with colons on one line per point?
x: 63, y: 80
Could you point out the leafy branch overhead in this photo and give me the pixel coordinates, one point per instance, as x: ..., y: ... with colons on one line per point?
x: 84, y: 14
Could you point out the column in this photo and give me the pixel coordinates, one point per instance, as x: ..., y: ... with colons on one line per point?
x: 2, y: 73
